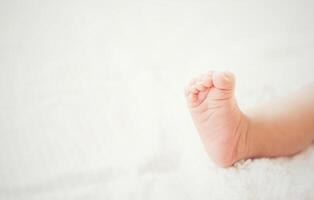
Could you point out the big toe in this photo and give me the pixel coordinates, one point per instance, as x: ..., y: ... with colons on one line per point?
x: 224, y: 80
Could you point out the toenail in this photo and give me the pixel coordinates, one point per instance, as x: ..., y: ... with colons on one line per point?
x: 226, y: 76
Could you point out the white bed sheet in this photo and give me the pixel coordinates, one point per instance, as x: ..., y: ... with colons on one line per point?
x: 92, y: 106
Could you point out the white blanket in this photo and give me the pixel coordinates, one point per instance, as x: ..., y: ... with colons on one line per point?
x: 92, y: 105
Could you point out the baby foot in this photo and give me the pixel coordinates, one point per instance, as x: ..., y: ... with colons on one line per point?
x: 219, y: 121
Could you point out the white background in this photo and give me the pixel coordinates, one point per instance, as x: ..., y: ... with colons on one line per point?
x: 92, y: 105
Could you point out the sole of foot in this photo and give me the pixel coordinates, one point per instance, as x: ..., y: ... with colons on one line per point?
x: 222, y: 127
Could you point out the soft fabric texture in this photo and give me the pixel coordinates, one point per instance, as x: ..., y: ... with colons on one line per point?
x: 92, y: 103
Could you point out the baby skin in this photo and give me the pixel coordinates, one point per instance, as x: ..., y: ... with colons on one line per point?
x: 281, y: 128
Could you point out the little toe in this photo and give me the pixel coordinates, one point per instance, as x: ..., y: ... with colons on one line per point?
x: 224, y: 80
x: 190, y: 87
